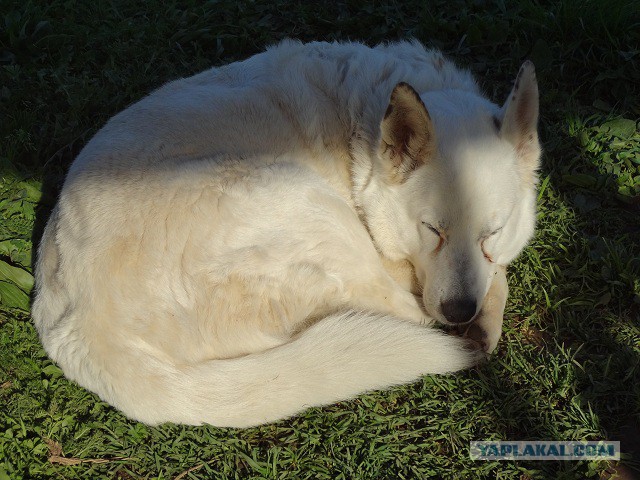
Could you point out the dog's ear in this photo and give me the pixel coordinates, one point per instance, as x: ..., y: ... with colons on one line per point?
x: 407, y: 139
x: 520, y: 119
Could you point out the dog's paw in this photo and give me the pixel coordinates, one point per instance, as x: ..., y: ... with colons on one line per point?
x: 410, y: 308
x: 477, y: 335
x: 486, y: 340
x: 475, y: 349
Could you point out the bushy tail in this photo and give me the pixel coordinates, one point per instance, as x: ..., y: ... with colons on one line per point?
x: 336, y: 359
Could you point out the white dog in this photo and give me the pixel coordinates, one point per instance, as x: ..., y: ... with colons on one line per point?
x: 277, y: 233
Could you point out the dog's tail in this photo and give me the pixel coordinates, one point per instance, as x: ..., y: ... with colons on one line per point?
x: 336, y: 359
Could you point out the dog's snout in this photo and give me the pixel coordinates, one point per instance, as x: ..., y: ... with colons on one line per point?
x: 458, y: 310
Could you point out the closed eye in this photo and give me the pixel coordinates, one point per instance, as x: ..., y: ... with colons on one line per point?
x: 488, y: 235
x: 437, y: 232
x: 432, y: 228
x: 483, y: 239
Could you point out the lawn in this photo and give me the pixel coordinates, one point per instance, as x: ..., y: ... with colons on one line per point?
x: 568, y: 365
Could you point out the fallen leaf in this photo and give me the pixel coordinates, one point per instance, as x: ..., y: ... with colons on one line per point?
x: 55, y: 449
x: 77, y: 461
x: 187, y: 472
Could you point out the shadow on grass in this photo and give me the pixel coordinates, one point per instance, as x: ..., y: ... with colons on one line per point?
x: 583, y: 340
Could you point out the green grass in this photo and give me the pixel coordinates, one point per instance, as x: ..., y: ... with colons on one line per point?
x: 568, y: 364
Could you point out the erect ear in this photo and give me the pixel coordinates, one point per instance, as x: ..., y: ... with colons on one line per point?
x: 407, y: 139
x: 520, y: 120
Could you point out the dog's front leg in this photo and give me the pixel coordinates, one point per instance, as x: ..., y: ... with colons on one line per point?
x: 382, y: 294
x: 486, y: 329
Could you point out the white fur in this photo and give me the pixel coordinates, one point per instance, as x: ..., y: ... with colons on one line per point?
x: 231, y: 250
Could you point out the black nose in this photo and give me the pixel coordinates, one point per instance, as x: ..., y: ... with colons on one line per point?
x: 458, y: 310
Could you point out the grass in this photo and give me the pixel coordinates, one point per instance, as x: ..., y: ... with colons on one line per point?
x: 568, y: 365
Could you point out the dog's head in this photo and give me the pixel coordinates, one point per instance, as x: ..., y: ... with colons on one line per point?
x: 453, y: 189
